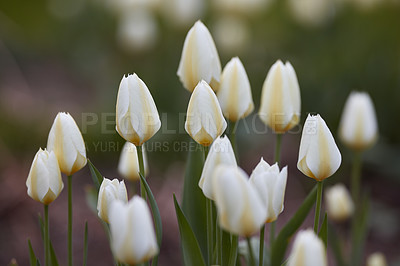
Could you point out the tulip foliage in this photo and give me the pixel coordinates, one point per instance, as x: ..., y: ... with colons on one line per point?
x: 223, y: 208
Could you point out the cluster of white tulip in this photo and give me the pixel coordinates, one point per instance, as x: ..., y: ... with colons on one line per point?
x: 66, y: 153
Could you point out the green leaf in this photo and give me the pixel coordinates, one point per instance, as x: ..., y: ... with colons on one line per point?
x: 193, y: 200
x: 226, y: 247
x: 323, y: 232
x: 32, y: 256
x: 281, y: 242
x: 85, y: 245
x: 156, y: 214
x: 96, y: 175
x: 190, y: 247
x: 91, y: 198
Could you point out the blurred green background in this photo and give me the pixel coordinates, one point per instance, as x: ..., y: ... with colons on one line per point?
x: 70, y: 56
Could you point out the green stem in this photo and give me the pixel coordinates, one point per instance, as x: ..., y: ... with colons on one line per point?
x: 318, y: 206
x: 355, y: 178
x: 251, y: 255
x: 272, y: 227
x: 278, y: 145
x: 70, y: 220
x: 218, y: 242
x: 261, y: 251
x: 209, y: 231
x: 232, y: 135
x: 46, y: 235
x: 141, y: 170
x: 233, y: 251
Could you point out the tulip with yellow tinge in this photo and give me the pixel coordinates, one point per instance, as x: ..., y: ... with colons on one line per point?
x: 376, y: 259
x: 66, y: 141
x: 133, y: 239
x: 221, y: 153
x: 308, y: 250
x: 339, y: 204
x: 44, y: 180
x: 234, y: 93
x: 199, y: 60
x: 204, y: 119
x: 240, y: 209
x: 319, y: 157
x: 137, y: 118
x: 128, y: 165
x: 270, y: 183
x: 358, y: 126
x: 280, y: 98
x: 109, y: 192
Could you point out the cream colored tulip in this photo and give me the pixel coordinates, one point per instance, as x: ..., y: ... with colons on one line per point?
x: 221, y: 153
x: 199, y: 60
x: 44, y: 180
x: 308, y: 250
x: 358, y: 127
x: 66, y: 141
x: 108, y: 193
x: 280, y: 98
x: 234, y: 93
x: 376, y: 259
x: 232, y: 33
x: 338, y: 203
x: 204, y: 119
x: 319, y: 157
x: 312, y: 13
x: 136, y: 116
x: 183, y: 12
x: 128, y: 165
x: 240, y: 209
x: 270, y: 184
x: 133, y: 239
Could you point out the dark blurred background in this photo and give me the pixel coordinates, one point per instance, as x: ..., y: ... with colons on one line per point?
x: 70, y: 56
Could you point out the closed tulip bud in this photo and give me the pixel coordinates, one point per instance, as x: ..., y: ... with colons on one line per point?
x: 44, y: 180
x: 376, y: 259
x: 339, y: 203
x: 270, y: 184
x: 280, y: 98
x: 133, y: 239
x: 221, y: 153
x: 308, y: 250
x: 199, y: 60
x: 234, y: 93
x: 358, y: 127
x: 66, y: 141
x: 240, y: 209
x: 136, y: 116
x: 204, y: 119
x: 319, y: 157
x: 109, y: 192
x: 128, y: 165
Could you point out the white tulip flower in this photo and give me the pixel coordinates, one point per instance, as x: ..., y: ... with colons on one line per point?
x: 137, y: 118
x: 128, y: 165
x: 44, y: 181
x: 199, y: 60
x: 221, y: 153
x: 280, y: 98
x: 66, y: 141
x: 308, y: 250
x: 376, y: 259
x: 133, y: 240
x: 339, y: 204
x: 109, y: 192
x: 319, y: 157
x: 358, y: 126
x: 234, y: 93
x: 240, y: 209
x: 270, y: 183
x: 204, y: 119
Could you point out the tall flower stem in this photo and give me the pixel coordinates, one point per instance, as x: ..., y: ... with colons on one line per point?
x: 355, y: 177
x: 232, y: 136
x: 318, y: 206
x: 251, y: 255
x: 46, y: 235
x: 141, y: 170
x: 218, y: 242
x: 233, y: 251
x: 210, y: 231
x: 70, y: 220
